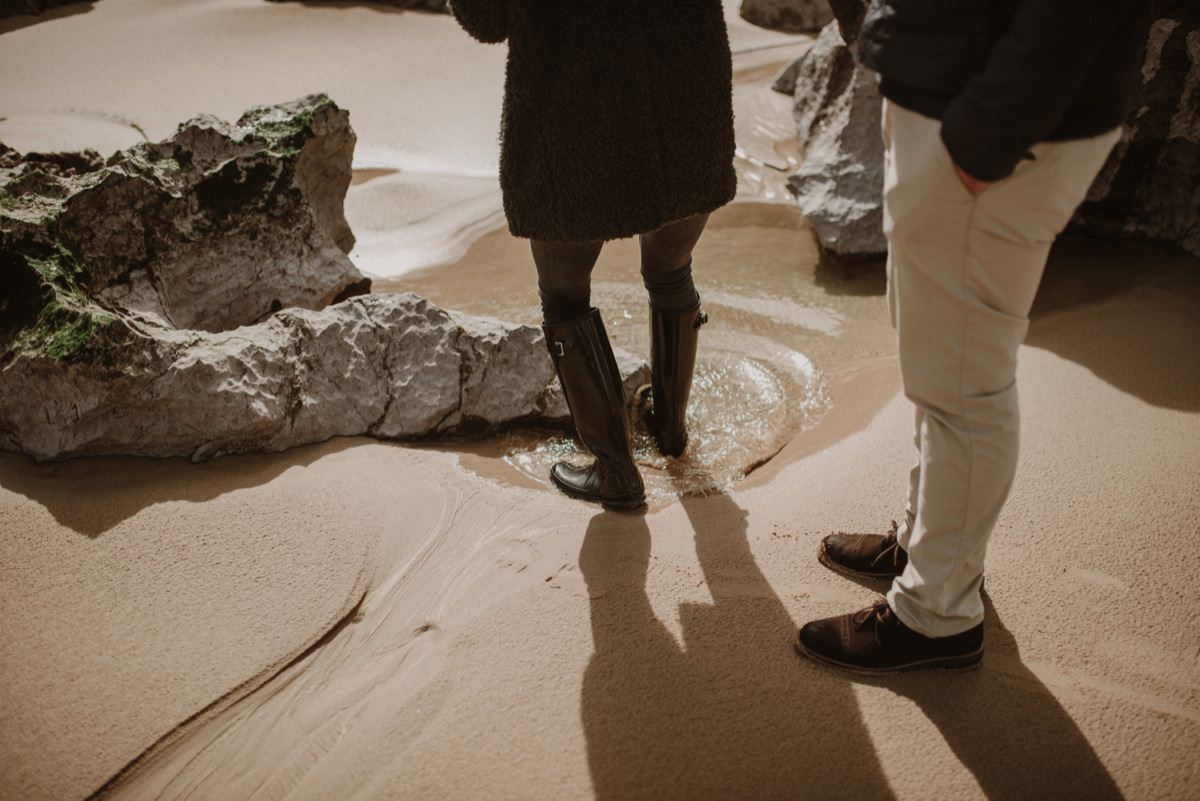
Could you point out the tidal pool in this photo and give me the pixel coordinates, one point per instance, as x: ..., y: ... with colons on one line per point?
x: 780, y: 320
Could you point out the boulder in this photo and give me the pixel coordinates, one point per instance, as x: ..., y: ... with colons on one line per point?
x: 392, y: 366
x: 849, y: 15
x: 839, y: 185
x: 790, y: 16
x: 1139, y: 193
x: 174, y: 300
x: 1150, y: 187
x: 213, y: 228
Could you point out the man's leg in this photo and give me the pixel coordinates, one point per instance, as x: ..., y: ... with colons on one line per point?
x: 965, y: 272
x: 904, y: 531
x: 962, y: 272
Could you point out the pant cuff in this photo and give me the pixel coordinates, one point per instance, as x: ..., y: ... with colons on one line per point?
x: 922, y: 622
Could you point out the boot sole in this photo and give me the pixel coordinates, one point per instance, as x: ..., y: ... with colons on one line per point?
x: 970, y: 661
x: 836, y: 567
x: 616, y: 504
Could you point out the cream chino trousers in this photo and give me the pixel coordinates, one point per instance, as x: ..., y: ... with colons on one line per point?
x: 962, y: 273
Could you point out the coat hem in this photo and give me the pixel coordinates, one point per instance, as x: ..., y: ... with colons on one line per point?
x: 629, y: 229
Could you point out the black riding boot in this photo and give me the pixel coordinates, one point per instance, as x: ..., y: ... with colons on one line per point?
x: 673, y: 340
x: 595, y: 395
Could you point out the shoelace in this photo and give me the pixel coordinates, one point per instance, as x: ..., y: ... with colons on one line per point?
x: 892, y: 550
x: 878, y: 615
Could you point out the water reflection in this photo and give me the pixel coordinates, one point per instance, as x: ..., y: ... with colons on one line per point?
x: 743, y: 410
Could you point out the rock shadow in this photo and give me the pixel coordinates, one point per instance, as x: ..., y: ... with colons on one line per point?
x: 18, y: 21
x: 1145, y: 349
x: 92, y: 495
x: 733, y: 712
x: 854, y: 276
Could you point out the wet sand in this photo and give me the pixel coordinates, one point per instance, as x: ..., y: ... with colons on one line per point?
x: 516, y: 644
x: 778, y: 317
x: 365, y: 620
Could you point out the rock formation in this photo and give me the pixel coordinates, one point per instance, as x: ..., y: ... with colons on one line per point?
x: 1150, y: 186
x: 790, y: 16
x: 836, y: 106
x: 1139, y: 193
x: 184, y: 229
x: 389, y: 366
x: 174, y: 300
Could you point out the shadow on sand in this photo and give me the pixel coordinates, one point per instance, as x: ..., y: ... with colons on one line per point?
x: 735, y: 713
x: 1135, y: 323
x: 1143, y: 351
x: 16, y: 22
x: 1006, y: 727
x: 91, y: 495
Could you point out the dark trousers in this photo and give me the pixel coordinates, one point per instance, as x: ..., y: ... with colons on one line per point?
x: 565, y: 270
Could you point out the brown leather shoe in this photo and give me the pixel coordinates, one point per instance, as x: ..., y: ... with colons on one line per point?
x: 864, y: 555
x: 873, y: 641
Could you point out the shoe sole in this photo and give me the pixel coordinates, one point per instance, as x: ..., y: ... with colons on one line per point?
x: 964, y: 662
x: 849, y: 571
x: 617, y: 505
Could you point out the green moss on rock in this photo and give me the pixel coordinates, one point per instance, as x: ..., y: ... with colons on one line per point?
x: 66, y: 322
x: 285, y: 135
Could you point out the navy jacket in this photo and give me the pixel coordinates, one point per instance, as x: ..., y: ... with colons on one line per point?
x: 1003, y: 75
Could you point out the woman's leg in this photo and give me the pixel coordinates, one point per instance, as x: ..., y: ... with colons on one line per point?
x: 564, y: 272
x: 667, y: 263
x: 675, y: 320
x: 590, y: 379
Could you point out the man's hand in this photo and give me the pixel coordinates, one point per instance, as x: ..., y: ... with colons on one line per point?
x: 973, y: 185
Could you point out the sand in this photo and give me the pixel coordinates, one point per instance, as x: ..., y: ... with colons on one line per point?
x: 364, y: 620
x: 423, y: 97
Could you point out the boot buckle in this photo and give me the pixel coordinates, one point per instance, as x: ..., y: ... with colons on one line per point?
x: 701, y: 319
x: 561, y: 347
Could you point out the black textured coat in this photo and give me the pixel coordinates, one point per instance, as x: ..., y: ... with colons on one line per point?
x: 618, y: 114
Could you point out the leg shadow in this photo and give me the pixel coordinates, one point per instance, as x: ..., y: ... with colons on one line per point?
x: 733, y: 713
x: 1006, y: 727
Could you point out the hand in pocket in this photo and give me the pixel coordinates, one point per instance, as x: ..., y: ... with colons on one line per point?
x: 972, y: 184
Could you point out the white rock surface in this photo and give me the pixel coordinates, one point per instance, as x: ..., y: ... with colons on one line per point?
x: 792, y: 16
x: 839, y: 186
x: 173, y: 300
x: 389, y: 366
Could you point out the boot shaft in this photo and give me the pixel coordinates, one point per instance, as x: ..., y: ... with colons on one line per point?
x: 674, y: 338
x: 592, y: 385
